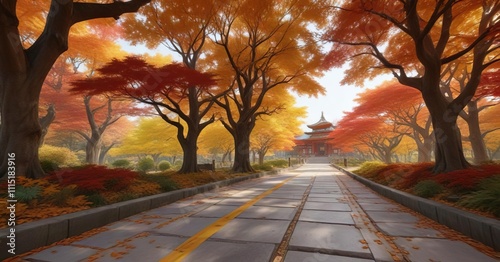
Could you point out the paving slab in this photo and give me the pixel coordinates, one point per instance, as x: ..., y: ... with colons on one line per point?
x: 214, y: 251
x: 278, y: 202
x: 333, y: 239
x: 327, y: 206
x: 401, y: 217
x: 331, y: 217
x: 325, y: 199
x: 233, y: 201
x: 187, y: 226
x: 215, y: 211
x: 373, y: 201
x: 323, y: 195
x: 145, y: 248
x: 379, y: 207
x: 444, y: 250
x: 263, y: 212
x: 62, y: 253
x: 253, y: 230
x: 113, y: 237
x: 297, y: 256
x: 286, y: 196
x: 407, y: 230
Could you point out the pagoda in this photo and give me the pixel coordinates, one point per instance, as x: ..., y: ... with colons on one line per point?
x: 316, y: 142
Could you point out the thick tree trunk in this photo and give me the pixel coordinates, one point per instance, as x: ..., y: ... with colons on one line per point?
x: 242, y: 150
x: 475, y: 137
x: 189, y: 149
x: 449, y: 155
x: 20, y: 131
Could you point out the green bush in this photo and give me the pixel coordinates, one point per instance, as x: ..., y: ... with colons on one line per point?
x: 62, y: 156
x: 263, y: 167
x: 370, y: 168
x: 145, y: 164
x: 427, y: 188
x: 59, y: 198
x: 49, y: 166
x: 27, y: 194
x: 97, y: 200
x: 164, y: 165
x: 487, y: 198
x: 280, y: 163
x: 165, y: 183
x: 121, y: 163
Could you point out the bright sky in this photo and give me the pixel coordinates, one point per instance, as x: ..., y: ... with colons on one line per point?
x: 337, y: 100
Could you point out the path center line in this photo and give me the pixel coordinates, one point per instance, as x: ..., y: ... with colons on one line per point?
x: 193, y: 242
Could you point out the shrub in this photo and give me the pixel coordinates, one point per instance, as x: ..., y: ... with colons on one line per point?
x: 263, y: 167
x: 96, y: 200
x: 121, y: 163
x: 280, y: 163
x: 369, y: 169
x: 145, y: 164
x: 487, y: 198
x: 164, y: 165
x: 49, y: 166
x: 61, y: 197
x: 467, y: 179
x: 91, y: 179
x: 61, y: 156
x: 27, y: 194
x: 427, y: 188
x: 165, y: 183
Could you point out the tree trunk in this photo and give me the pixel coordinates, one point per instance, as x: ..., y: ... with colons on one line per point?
x: 242, y: 150
x: 475, y: 137
x: 449, y: 155
x: 46, y: 121
x: 93, y: 150
x: 20, y: 131
x: 189, y: 149
x: 104, y: 153
x: 261, y: 157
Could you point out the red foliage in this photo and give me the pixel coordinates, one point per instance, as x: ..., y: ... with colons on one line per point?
x: 467, y: 179
x: 95, y: 178
x: 418, y: 172
x: 134, y: 77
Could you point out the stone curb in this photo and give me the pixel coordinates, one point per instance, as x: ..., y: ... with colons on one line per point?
x: 44, y: 232
x: 482, y: 229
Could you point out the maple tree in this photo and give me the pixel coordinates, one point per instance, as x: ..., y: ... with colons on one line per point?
x: 182, y: 27
x: 259, y: 46
x: 491, y: 123
x: 163, y: 88
x: 415, y: 40
x: 23, y: 70
x: 406, y: 108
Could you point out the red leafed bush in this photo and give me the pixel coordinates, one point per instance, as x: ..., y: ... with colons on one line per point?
x: 416, y: 173
x: 467, y: 179
x: 95, y: 178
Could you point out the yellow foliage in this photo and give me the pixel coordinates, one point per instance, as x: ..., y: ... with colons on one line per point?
x: 78, y: 201
x: 59, y: 155
x: 143, y: 188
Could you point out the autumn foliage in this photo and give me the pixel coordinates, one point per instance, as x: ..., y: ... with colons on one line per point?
x: 95, y: 178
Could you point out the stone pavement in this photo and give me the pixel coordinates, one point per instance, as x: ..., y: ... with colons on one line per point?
x: 312, y: 213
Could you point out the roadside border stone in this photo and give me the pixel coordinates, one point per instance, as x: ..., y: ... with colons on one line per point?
x: 483, y: 229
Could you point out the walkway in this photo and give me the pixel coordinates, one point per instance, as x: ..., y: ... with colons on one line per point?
x: 313, y: 213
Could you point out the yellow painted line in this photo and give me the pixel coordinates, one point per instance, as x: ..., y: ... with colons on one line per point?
x: 193, y: 242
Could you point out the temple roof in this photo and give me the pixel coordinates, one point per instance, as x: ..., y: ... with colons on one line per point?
x: 321, y: 124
